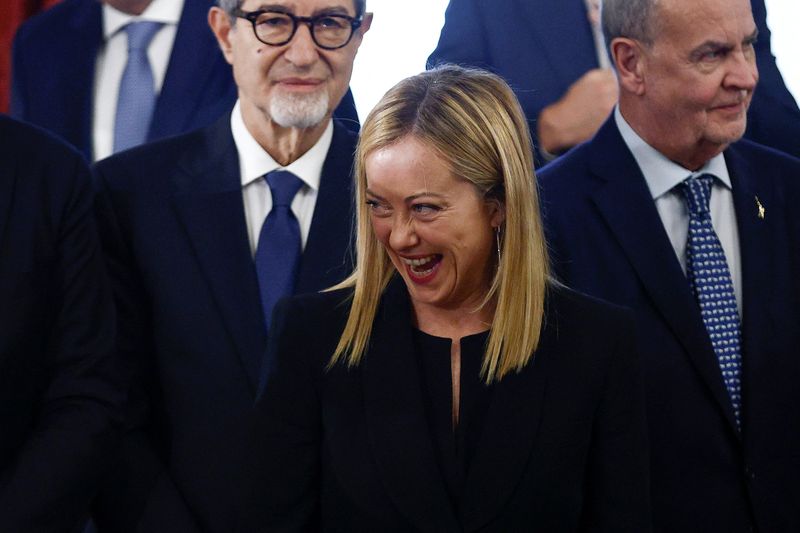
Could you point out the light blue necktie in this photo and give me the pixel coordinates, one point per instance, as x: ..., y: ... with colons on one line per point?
x: 137, y: 94
x: 279, y: 246
x: 710, y: 279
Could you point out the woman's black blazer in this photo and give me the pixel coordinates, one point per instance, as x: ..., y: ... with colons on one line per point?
x: 563, y: 447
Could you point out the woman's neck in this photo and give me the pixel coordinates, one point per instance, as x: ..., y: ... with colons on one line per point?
x: 452, y: 323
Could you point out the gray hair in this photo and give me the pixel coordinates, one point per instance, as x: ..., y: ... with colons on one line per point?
x: 229, y: 6
x: 633, y: 19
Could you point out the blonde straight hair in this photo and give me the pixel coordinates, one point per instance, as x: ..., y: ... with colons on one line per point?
x: 474, y: 121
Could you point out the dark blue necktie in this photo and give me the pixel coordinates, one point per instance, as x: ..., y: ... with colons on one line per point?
x: 710, y: 279
x: 137, y: 93
x: 279, y: 246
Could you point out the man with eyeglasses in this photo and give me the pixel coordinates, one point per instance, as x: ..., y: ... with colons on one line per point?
x: 203, y: 233
x: 110, y: 75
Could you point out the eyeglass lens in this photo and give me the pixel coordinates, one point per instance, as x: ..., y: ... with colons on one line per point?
x: 328, y: 30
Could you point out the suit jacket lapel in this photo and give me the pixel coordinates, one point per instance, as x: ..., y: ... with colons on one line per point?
x: 552, y: 20
x: 626, y: 205
x: 193, y: 46
x: 396, y: 423
x: 326, y: 259
x: 756, y: 256
x: 208, y: 202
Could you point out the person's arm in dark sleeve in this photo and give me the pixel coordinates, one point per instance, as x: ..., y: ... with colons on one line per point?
x: 49, y: 484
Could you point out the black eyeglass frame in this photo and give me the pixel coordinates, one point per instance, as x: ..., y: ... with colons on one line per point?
x: 252, y: 16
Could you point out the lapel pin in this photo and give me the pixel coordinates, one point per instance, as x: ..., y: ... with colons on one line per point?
x: 761, y: 210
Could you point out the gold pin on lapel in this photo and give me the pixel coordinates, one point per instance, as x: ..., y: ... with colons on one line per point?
x: 761, y: 210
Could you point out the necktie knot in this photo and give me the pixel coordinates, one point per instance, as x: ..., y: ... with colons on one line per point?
x: 284, y: 186
x: 697, y: 193
x: 140, y: 34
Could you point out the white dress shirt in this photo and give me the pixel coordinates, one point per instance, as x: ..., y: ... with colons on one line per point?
x: 113, y: 56
x: 662, y: 177
x: 254, y: 162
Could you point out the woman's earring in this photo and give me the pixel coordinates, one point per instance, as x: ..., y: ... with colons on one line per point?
x: 497, y: 238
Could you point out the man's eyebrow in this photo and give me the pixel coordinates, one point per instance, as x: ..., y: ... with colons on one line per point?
x: 332, y: 10
x: 753, y: 37
x: 282, y: 8
x: 709, y: 46
x: 719, y: 45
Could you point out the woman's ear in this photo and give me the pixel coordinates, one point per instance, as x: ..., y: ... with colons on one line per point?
x: 497, y: 212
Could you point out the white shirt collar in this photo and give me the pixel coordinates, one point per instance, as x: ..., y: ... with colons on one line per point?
x: 165, y: 11
x: 254, y: 161
x: 660, y: 173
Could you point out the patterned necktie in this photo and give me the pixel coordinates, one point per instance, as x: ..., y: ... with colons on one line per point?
x: 137, y: 94
x: 279, y: 247
x: 710, y: 280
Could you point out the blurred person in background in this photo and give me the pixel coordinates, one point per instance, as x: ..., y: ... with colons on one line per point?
x: 552, y: 54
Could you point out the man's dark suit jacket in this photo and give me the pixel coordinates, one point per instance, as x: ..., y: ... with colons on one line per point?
x: 607, y: 240
x: 191, y: 326
x: 54, y: 69
x: 541, y: 47
x: 563, y: 446
x: 60, y: 394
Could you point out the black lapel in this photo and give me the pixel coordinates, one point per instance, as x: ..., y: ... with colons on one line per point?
x: 507, y: 438
x: 327, y: 257
x: 552, y: 20
x: 396, y: 423
x: 194, y: 50
x: 625, y: 203
x: 208, y: 202
x: 755, y: 253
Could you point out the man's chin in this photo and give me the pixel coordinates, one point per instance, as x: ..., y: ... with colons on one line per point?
x: 729, y: 133
x: 299, y: 110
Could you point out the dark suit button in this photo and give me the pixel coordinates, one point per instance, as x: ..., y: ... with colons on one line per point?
x: 748, y: 472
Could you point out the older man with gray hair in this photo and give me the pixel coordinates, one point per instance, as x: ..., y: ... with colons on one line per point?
x: 204, y: 232
x: 666, y: 211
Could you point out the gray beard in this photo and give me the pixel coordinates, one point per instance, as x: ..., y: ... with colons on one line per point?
x: 299, y: 111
